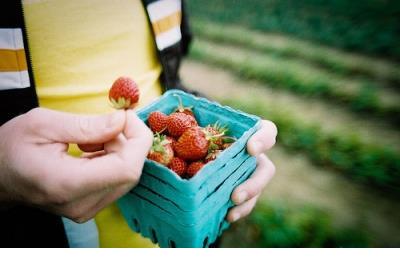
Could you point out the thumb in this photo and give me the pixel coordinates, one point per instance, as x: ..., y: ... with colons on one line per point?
x: 81, y: 129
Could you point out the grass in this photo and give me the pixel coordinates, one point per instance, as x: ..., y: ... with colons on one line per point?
x: 331, y: 59
x: 297, y: 77
x: 274, y: 224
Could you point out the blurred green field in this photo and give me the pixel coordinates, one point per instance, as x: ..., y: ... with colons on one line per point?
x: 369, y: 26
x: 337, y: 111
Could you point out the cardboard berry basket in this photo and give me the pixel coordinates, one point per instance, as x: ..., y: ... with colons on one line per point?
x: 176, y: 212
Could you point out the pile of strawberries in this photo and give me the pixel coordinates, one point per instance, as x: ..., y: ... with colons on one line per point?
x: 181, y: 144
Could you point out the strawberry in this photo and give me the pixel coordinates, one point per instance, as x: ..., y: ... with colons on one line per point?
x: 215, y: 133
x: 157, y: 121
x: 192, y: 145
x: 193, y: 168
x: 212, y: 155
x: 182, y: 109
x: 178, y: 123
x: 178, y: 165
x: 161, y: 151
x: 124, y: 93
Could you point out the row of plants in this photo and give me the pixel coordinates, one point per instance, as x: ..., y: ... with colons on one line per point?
x: 376, y: 166
x: 299, y: 78
x: 369, y: 26
x: 274, y: 224
x: 333, y: 60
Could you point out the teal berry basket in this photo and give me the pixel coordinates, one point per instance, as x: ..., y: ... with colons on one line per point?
x: 176, y: 212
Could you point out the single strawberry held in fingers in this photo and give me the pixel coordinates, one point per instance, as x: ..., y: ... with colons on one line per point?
x: 178, y: 165
x: 178, y: 123
x: 193, y: 168
x: 192, y: 145
x: 124, y: 93
x: 157, y: 121
x: 161, y: 151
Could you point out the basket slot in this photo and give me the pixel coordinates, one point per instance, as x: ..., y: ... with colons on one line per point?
x: 223, y: 166
x: 240, y: 178
x: 171, y: 244
x: 159, y: 179
x: 153, y: 235
x: 147, y: 200
x: 136, y: 225
x: 205, y: 242
x: 162, y: 197
x: 221, y: 184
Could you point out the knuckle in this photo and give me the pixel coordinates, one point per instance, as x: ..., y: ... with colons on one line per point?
x: 33, y: 118
x: 76, y: 214
x: 132, y: 175
x: 53, y: 193
x: 84, y: 128
x: 56, y: 197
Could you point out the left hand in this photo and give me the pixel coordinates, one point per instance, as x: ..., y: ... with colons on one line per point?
x: 245, y: 195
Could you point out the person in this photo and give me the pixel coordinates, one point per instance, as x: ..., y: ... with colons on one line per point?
x: 57, y: 62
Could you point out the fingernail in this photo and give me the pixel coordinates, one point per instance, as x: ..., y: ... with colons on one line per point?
x: 241, y: 197
x: 235, y: 217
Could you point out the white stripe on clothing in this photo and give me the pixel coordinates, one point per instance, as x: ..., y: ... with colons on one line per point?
x: 11, y: 38
x: 13, y: 80
x: 163, y: 8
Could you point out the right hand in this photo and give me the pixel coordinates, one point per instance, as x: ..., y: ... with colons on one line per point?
x: 36, y: 169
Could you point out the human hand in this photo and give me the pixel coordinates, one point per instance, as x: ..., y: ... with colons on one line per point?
x: 245, y: 195
x: 36, y: 169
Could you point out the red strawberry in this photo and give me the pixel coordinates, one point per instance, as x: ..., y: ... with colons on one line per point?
x: 192, y: 145
x: 161, y: 151
x: 124, y: 93
x: 157, y: 121
x: 182, y: 109
x: 178, y: 123
x: 178, y: 165
x: 193, y: 168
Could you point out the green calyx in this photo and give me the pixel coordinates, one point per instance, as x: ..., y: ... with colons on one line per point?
x: 121, y: 103
x: 180, y: 107
x: 159, y: 141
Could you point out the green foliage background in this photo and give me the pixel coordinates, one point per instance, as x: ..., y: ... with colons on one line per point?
x: 370, y: 26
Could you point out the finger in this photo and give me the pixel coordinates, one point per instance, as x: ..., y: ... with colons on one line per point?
x: 136, y: 128
x: 91, y: 147
x: 124, y: 166
x: 139, y: 139
x: 115, y: 145
x: 241, y: 211
x: 73, y: 128
x: 263, y: 139
x: 256, y: 183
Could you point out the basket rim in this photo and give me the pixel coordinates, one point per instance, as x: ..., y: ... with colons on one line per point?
x: 199, y: 176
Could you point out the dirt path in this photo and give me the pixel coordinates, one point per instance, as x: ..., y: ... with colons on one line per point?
x: 297, y: 180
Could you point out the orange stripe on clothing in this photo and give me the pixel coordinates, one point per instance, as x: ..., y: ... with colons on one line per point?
x: 167, y: 23
x: 12, y: 60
